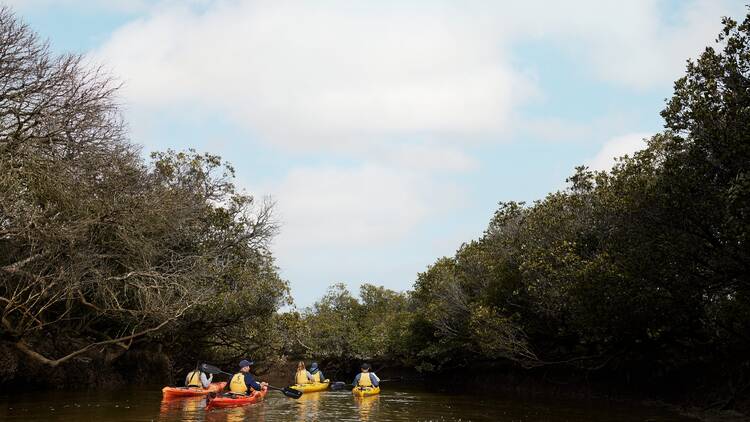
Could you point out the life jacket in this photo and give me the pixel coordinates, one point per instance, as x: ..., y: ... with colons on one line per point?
x: 237, y: 384
x: 301, y: 377
x: 364, y: 380
x: 316, y: 376
x: 194, y: 379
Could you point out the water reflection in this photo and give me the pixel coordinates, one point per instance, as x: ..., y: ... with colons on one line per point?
x: 367, y: 407
x: 397, y: 404
x: 250, y: 412
x: 182, y: 408
x: 308, y: 406
x: 236, y: 414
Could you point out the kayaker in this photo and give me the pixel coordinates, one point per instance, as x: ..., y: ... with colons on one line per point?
x: 243, y: 381
x: 302, y: 376
x: 366, y: 378
x: 197, y: 378
x: 317, y: 374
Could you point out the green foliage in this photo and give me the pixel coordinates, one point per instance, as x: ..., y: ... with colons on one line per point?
x: 342, y: 328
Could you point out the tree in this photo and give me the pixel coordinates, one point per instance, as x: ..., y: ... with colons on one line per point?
x: 98, y: 249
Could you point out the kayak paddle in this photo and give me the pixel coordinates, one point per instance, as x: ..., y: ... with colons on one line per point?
x: 340, y: 385
x: 289, y: 392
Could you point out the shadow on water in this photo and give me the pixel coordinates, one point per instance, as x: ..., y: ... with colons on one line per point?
x: 395, y: 404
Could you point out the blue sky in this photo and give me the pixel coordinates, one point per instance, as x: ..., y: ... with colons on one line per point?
x: 387, y: 132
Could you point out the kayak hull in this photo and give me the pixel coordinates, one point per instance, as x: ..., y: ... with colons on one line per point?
x: 214, y: 387
x: 230, y: 400
x: 312, y: 387
x: 365, y: 391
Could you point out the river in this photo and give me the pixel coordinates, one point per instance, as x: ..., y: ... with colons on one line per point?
x: 395, y: 403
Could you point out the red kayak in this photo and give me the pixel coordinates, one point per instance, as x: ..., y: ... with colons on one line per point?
x: 232, y: 400
x: 214, y: 387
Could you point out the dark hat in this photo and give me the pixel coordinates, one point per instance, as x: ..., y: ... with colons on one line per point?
x: 365, y: 366
x: 244, y: 363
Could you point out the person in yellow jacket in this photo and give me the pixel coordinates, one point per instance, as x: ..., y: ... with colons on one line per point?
x: 243, y: 381
x: 366, y: 378
x: 197, y: 379
x: 317, y: 374
x: 302, y: 376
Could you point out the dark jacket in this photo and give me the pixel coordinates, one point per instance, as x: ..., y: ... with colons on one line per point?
x: 251, y: 383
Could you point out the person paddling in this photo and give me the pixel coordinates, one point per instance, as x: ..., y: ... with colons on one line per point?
x: 302, y: 376
x: 317, y: 374
x: 366, y: 378
x: 197, y: 379
x: 243, y: 381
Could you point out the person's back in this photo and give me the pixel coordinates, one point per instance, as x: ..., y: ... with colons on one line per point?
x: 242, y: 382
x: 302, y: 376
x: 198, y: 379
x: 237, y: 384
x: 366, y: 378
x: 317, y: 374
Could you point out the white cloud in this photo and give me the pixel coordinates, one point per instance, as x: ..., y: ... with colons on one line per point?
x: 342, y: 75
x: 638, y: 44
x: 617, y: 147
x: 642, y: 50
x: 430, y: 158
x: 363, y: 205
x: 304, y: 75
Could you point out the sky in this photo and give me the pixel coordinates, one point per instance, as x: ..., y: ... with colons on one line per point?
x: 387, y: 131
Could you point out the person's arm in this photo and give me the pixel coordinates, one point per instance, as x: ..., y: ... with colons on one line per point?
x: 374, y: 379
x: 250, y: 382
x: 205, y: 382
x: 187, y: 379
x: 356, y: 380
x: 322, y: 377
x: 309, y: 376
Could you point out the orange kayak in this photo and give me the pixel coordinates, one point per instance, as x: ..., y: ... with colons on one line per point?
x: 215, y: 387
x: 232, y: 400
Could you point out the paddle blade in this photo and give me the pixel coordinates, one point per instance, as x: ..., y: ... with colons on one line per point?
x: 339, y: 385
x: 210, y: 369
x: 291, y: 392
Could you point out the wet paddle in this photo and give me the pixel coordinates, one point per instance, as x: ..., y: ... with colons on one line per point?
x: 289, y: 392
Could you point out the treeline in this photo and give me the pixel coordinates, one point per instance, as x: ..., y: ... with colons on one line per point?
x: 641, y: 273
x: 108, y: 259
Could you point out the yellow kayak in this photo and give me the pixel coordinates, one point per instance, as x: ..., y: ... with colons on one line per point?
x: 312, y: 387
x: 365, y: 391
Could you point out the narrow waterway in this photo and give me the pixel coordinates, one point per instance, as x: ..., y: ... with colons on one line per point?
x: 396, y: 403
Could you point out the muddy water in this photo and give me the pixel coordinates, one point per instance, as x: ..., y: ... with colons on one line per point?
x: 395, y: 403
